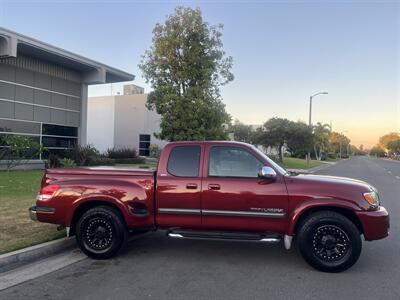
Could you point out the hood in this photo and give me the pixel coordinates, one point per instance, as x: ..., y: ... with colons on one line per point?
x: 335, y: 181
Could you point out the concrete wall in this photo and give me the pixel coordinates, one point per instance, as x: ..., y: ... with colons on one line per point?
x: 37, y: 96
x: 100, y: 122
x: 131, y: 118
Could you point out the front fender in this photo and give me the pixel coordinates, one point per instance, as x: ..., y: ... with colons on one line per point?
x: 306, y: 206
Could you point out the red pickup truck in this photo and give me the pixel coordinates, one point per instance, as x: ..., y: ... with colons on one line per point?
x: 215, y: 190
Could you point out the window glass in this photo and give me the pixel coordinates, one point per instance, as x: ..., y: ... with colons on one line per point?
x: 184, y: 161
x: 233, y: 162
x: 49, y: 129
x: 19, y: 127
x: 274, y: 164
x: 58, y: 142
x: 144, y: 145
x: 144, y: 137
x: 144, y: 152
x: 27, y: 154
x: 59, y: 152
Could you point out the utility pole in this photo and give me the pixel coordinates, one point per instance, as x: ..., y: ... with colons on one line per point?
x: 309, y: 120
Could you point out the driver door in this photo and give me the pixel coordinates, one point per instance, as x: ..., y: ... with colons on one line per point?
x: 235, y: 198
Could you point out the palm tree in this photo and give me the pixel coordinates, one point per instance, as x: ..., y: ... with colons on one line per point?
x: 321, y: 139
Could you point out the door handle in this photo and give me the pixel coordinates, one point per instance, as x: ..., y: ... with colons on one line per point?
x: 191, y: 186
x: 214, y: 186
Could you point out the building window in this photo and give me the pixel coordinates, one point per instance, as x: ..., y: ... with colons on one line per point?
x: 19, y: 127
x: 55, y: 138
x: 144, y: 144
x: 28, y: 154
x: 50, y: 129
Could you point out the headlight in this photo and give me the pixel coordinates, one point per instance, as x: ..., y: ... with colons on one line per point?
x: 372, y: 198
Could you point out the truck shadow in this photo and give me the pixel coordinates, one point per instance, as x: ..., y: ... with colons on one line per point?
x: 157, y: 245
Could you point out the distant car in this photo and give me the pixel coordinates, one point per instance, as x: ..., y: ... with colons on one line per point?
x: 215, y: 190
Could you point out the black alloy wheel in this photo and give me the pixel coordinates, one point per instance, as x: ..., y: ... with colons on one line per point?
x: 329, y: 241
x: 101, y: 232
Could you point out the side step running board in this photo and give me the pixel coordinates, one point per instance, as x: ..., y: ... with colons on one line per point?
x: 248, y: 237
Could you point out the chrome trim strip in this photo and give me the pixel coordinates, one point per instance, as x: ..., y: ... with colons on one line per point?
x: 179, y: 211
x: 237, y: 213
x: 40, y: 89
x: 270, y: 240
x: 175, y: 235
x: 39, y: 105
x: 228, y: 213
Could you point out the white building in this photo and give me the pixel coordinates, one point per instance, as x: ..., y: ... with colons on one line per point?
x: 122, y: 121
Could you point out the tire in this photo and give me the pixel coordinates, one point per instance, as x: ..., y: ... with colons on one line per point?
x: 101, y: 232
x: 329, y: 241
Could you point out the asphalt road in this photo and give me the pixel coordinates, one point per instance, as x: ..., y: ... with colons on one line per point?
x: 157, y: 267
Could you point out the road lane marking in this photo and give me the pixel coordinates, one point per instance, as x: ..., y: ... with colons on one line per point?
x: 389, y: 172
x: 397, y: 177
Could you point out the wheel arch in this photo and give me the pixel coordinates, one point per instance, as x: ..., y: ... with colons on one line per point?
x: 85, y: 206
x: 346, y: 212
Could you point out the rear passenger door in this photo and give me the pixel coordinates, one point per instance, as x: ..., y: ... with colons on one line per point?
x: 178, y: 192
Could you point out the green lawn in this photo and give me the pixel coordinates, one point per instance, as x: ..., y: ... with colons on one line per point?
x: 298, y: 163
x: 18, y: 190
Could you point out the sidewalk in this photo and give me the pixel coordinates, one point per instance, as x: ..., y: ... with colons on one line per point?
x: 313, y: 170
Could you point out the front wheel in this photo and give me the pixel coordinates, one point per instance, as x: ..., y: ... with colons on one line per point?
x: 101, y: 232
x: 329, y: 241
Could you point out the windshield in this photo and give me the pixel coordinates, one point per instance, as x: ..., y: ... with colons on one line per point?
x: 277, y: 167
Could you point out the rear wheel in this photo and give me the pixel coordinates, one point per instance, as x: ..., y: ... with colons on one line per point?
x: 101, y: 232
x: 329, y: 241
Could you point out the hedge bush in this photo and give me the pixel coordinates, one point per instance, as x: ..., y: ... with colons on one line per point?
x: 122, y: 153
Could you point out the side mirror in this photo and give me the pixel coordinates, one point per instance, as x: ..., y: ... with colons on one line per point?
x: 267, y: 173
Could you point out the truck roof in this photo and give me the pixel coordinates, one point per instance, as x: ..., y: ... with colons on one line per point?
x: 208, y: 142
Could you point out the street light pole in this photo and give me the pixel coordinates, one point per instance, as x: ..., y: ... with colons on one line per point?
x: 309, y: 119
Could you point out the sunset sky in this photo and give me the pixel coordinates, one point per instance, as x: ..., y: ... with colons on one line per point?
x: 283, y: 52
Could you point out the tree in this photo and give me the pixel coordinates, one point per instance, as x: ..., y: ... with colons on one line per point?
x: 321, y: 139
x: 357, y: 151
x: 18, y: 150
x: 186, y: 66
x: 377, y: 151
x: 242, y: 132
x: 300, y: 139
x: 387, y: 138
x: 394, y: 146
x: 275, y: 134
x: 339, y: 143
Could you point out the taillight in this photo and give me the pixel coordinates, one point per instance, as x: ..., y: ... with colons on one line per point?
x: 47, y: 192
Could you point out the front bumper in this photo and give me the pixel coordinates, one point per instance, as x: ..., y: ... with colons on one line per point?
x: 35, y: 210
x: 375, y: 224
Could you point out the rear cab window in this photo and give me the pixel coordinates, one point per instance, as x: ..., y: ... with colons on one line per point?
x: 184, y: 161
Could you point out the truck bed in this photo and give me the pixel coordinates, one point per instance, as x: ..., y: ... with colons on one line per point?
x: 129, y: 190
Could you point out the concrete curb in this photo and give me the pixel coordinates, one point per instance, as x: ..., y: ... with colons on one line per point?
x: 313, y: 170
x: 33, y: 253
